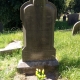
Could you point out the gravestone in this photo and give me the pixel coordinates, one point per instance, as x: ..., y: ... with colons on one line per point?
x: 73, y: 18
x: 1, y: 28
x: 38, y: 18
x: 76, y: 28
x: 64, y: 18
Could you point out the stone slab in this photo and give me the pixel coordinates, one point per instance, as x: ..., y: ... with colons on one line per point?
x: 29, y: 67
x: 11, y: 47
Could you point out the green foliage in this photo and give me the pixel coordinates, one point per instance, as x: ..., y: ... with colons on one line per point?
x: 60, y: 4
x: 10, y: 11
x: 67, y: 2
x: 40, y: 74
x: 61, y: 25
x: 76, y: 6
x: 71, y: 4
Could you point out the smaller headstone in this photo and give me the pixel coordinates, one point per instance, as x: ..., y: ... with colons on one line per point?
x: 64, y: 18
x: 76, y: 28
x: 73, y: 18
x: 1, y: 27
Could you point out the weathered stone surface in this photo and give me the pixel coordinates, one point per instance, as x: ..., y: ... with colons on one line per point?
x: 38, y: 30
x: 29, y: 67
x: 76, y: 28
x: 38, y: 18
x: 73, y: 18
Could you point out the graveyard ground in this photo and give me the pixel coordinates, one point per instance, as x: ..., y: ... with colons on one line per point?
x: 67, y: 53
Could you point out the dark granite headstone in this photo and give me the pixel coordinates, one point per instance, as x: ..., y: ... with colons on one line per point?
x: 1, y: 28
x: 38, y: 18
x: 64, y: 18
x: 73, y: 18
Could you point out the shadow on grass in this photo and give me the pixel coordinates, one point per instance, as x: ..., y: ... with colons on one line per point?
x: 67, y: 63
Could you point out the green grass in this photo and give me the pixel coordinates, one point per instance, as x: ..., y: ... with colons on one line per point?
x: 7, y: 37
x: 8, y: 62
x: 67, y: 53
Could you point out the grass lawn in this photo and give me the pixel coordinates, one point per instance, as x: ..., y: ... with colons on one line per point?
x: 67, y: 53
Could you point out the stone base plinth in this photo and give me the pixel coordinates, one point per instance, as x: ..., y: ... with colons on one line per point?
x: 29, y: 67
